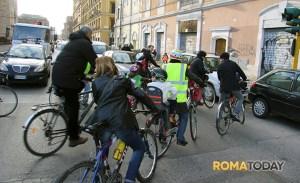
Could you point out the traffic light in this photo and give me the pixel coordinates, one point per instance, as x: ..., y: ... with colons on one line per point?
x: 291, y: 16
x: 292, y: 30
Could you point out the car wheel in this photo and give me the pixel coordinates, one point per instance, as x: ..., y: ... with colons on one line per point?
x: 260, y: 108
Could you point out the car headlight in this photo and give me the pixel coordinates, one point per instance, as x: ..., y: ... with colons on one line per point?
x: 39, y: 68
x: 3, y: 67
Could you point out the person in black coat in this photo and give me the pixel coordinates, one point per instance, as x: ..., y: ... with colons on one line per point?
x: 67, y: 75
x: 197, y: 70
x: 110, y: 94
x: 229, y: 83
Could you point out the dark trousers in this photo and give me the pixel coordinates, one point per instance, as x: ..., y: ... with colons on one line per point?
x: 71, y: 107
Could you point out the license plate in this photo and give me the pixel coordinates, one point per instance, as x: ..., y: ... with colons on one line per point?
x: 20, y: 77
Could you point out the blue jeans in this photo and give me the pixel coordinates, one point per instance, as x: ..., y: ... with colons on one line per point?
x: 131, y: 138
x: 239, y: 103
x: 183, y: 120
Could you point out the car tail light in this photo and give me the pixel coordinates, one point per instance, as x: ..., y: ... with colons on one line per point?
x: 253, y: 85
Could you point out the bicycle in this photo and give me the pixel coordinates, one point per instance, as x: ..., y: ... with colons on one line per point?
x: 225, y: 113
x: 8, y: 100
x: 98, y: 170
x: 207, y: 93
x: 163, y: 133
x: 48, y: 127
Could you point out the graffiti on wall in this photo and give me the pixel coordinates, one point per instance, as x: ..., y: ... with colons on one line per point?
x: 246, y: 49
x: 276, y: 50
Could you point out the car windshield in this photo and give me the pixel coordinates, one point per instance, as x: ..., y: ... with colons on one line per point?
x: 122, y: 58
x: 99, y: 49
x: 24, y: 51
x: 212, y: 63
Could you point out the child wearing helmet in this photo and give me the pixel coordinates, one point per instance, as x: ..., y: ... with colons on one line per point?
x: 169, y: 93
x: 135, y: 76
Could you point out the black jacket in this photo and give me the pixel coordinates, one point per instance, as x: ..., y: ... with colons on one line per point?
x: 110, y: 94
x: 227, y: 72
x: 197, y: 70
x: 68, y: 70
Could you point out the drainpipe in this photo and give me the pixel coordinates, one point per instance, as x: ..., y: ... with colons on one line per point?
x: 130, y: 21
x: 121, y: 15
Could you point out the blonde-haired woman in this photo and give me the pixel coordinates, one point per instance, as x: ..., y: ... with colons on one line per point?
x: 110, y: 93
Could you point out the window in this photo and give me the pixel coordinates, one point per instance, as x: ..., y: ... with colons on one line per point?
x: 161, y: 2
x: 281, y: 80
x: 113, y: 7
x: 188, y: 2
x: 147, y: 4
x: 297, y: 85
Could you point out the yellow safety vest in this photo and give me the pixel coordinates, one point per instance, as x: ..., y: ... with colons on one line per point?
x: 177, y: 77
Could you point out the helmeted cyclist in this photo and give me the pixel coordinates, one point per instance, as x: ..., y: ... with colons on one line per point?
x: 144, y: 62
x: 177, y: 76
x: 229, y: 84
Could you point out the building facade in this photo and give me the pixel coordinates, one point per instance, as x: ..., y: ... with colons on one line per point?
x: 251, y: 30
x: 8, y: 17
x: 98, y: 14
x: 68, y: 28
x: 33, y: 19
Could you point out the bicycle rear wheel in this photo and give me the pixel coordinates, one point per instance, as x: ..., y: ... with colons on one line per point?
x: 163, y: 141
x: 193, y: 122
x: 209, y: 96
x: 8, y: 100
x: 82, y: 172
x: 223, y: 119
x: 45, y: 132
x: 148, y: 165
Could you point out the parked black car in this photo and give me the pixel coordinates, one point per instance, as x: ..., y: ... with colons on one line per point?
x: 26, y: 63
x: 277, y: 92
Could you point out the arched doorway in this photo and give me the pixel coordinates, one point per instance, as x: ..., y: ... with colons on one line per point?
x: 220, y: 46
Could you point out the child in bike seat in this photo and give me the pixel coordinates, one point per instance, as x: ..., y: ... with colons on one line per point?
x: 110, y: 91
x: 169, y: 92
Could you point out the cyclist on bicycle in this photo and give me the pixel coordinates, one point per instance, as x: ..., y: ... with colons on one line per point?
x: 197, y: 70
x: 110, y: 94
x: 67, y: 75
x: 143, y: 62
x: 229, y: 84
x: 197, y: 73
x: 169, y: 93
x: 177, y: 76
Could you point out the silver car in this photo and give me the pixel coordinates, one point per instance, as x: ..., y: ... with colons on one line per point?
x: 123, y: 60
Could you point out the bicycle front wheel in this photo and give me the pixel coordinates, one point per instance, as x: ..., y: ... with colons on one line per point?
x: 209, y: 96
x: 46, y: 132
x: 223, y: 119
x: 83, y: 172
x: 8, y: 100
x: 193, y: 123
x: 148, y: 165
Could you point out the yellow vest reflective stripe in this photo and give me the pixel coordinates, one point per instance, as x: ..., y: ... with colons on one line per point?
x: 177, y: 76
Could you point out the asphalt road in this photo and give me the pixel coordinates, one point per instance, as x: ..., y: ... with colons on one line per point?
x: 272, y: 139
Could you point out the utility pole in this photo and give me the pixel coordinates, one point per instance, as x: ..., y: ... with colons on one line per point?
x: 121, y: 15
